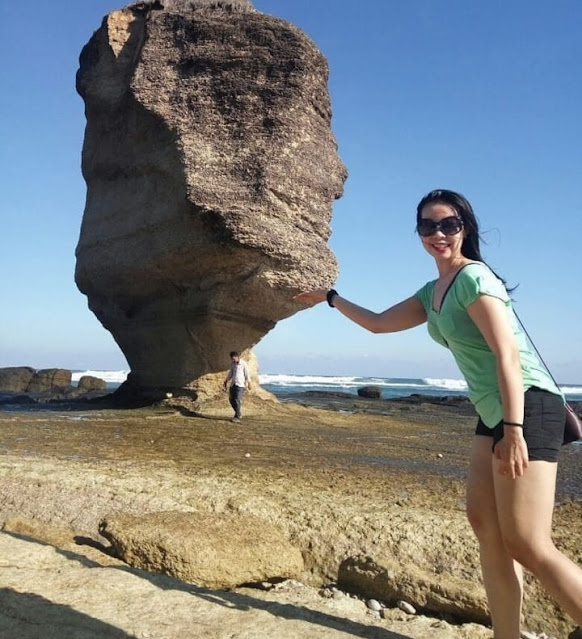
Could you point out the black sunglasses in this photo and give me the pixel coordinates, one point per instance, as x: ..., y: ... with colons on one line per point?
x: 448, y: 225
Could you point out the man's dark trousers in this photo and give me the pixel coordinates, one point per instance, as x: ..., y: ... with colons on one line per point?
x: 235, y: 397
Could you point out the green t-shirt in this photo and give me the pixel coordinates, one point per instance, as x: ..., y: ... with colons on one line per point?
x: 452, y: 327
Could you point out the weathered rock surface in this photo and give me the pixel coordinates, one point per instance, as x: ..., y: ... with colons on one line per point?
x: 53, y: 592
x: 211, y: 170
x: 385, y: 580
x: 24, y: 379
x: 49, y: 378
x: 211, y: 550
x: 338, y: 486
x: 90, y: 383
x: 15, y: 378
x: 25, y: 385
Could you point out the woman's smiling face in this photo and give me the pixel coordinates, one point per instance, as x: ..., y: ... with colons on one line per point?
x: 439, y: 245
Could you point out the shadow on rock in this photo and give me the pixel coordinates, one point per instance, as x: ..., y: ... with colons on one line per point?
x: 27, y: 610
x: 22, y: 615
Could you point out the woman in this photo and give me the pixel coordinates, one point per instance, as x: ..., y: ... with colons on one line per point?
x: 512, y: 474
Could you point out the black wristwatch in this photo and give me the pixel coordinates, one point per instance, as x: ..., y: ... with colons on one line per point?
x: 330, y: 295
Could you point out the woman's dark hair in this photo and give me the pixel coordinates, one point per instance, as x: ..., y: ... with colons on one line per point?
x: 470, y: 247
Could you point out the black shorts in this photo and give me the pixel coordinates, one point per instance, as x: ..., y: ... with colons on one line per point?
x: 543, y: 425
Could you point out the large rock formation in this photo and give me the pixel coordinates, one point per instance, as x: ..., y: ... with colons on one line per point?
x: 15, y: 378
x: 49, y: 378
x: 24, y: 379
x: 211, y: 171
x: 24, y: 385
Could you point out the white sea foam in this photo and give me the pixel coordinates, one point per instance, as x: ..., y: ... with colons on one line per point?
x: 451, y: 384
x: 307, y: 380
x: 571, y: 390
x: 112, y: 377
x: 349, y: 382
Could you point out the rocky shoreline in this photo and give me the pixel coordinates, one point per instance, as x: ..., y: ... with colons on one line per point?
x: 369, y: 492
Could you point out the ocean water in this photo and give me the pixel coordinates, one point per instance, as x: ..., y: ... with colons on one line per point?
x: 286, y: 384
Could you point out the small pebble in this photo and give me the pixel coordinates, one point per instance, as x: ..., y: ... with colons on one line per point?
x: 338, y: 594
x: 440, y: 455
x: 406, y: 607
x: 372, y: 604
x: 169, y: 395
x: 247, y: 454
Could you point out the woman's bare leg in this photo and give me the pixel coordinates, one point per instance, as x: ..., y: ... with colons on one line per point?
x: 525, y: 507
x: 502, y: 576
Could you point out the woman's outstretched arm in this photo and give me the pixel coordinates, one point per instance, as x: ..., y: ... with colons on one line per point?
x: 407, y: 314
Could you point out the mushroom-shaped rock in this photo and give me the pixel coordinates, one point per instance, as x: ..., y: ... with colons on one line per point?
x: 211, y: 171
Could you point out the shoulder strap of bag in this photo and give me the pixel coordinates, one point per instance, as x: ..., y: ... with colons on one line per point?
x: 529, y: 338
x: 535, y: 348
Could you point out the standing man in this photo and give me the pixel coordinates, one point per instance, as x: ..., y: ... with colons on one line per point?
x: 239, y: 378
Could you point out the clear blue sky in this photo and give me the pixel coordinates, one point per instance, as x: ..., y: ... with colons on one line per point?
x: 480, y: 97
